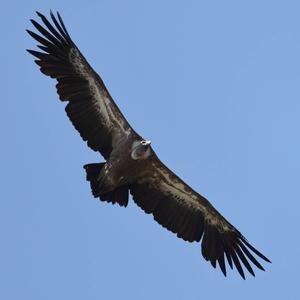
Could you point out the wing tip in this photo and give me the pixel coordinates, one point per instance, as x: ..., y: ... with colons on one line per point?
x: 30, y: 51
x: 258, y: 253
x: 39, y: 14
x: 240, y: 254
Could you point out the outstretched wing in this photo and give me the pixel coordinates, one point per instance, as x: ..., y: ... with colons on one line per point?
x: 181, y: 210
x: 90, y: 107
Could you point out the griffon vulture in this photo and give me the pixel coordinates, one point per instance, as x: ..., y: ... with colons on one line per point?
x: 131, y: 165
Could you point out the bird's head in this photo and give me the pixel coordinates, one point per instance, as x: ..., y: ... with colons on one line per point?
x: 140, y: 149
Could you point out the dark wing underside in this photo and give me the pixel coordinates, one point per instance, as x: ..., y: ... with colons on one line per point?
x: 181, y: 210
x: 90, y: 107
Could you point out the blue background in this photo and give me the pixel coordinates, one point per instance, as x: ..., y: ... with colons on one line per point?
x: 215, y: 85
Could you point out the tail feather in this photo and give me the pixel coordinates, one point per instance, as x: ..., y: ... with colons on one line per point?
x: 118, y: 195
x: 92, y: 174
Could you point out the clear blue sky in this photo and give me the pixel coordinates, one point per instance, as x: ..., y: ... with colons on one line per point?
x: 216, y: 86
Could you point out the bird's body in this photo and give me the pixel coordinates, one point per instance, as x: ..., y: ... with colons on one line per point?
x: 123, y: 168
x: 131, y: 165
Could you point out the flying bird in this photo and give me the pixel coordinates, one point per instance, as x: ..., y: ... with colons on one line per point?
x: 131, y: 165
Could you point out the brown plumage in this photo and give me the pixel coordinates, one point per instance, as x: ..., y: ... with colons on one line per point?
x: 131, y: 164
